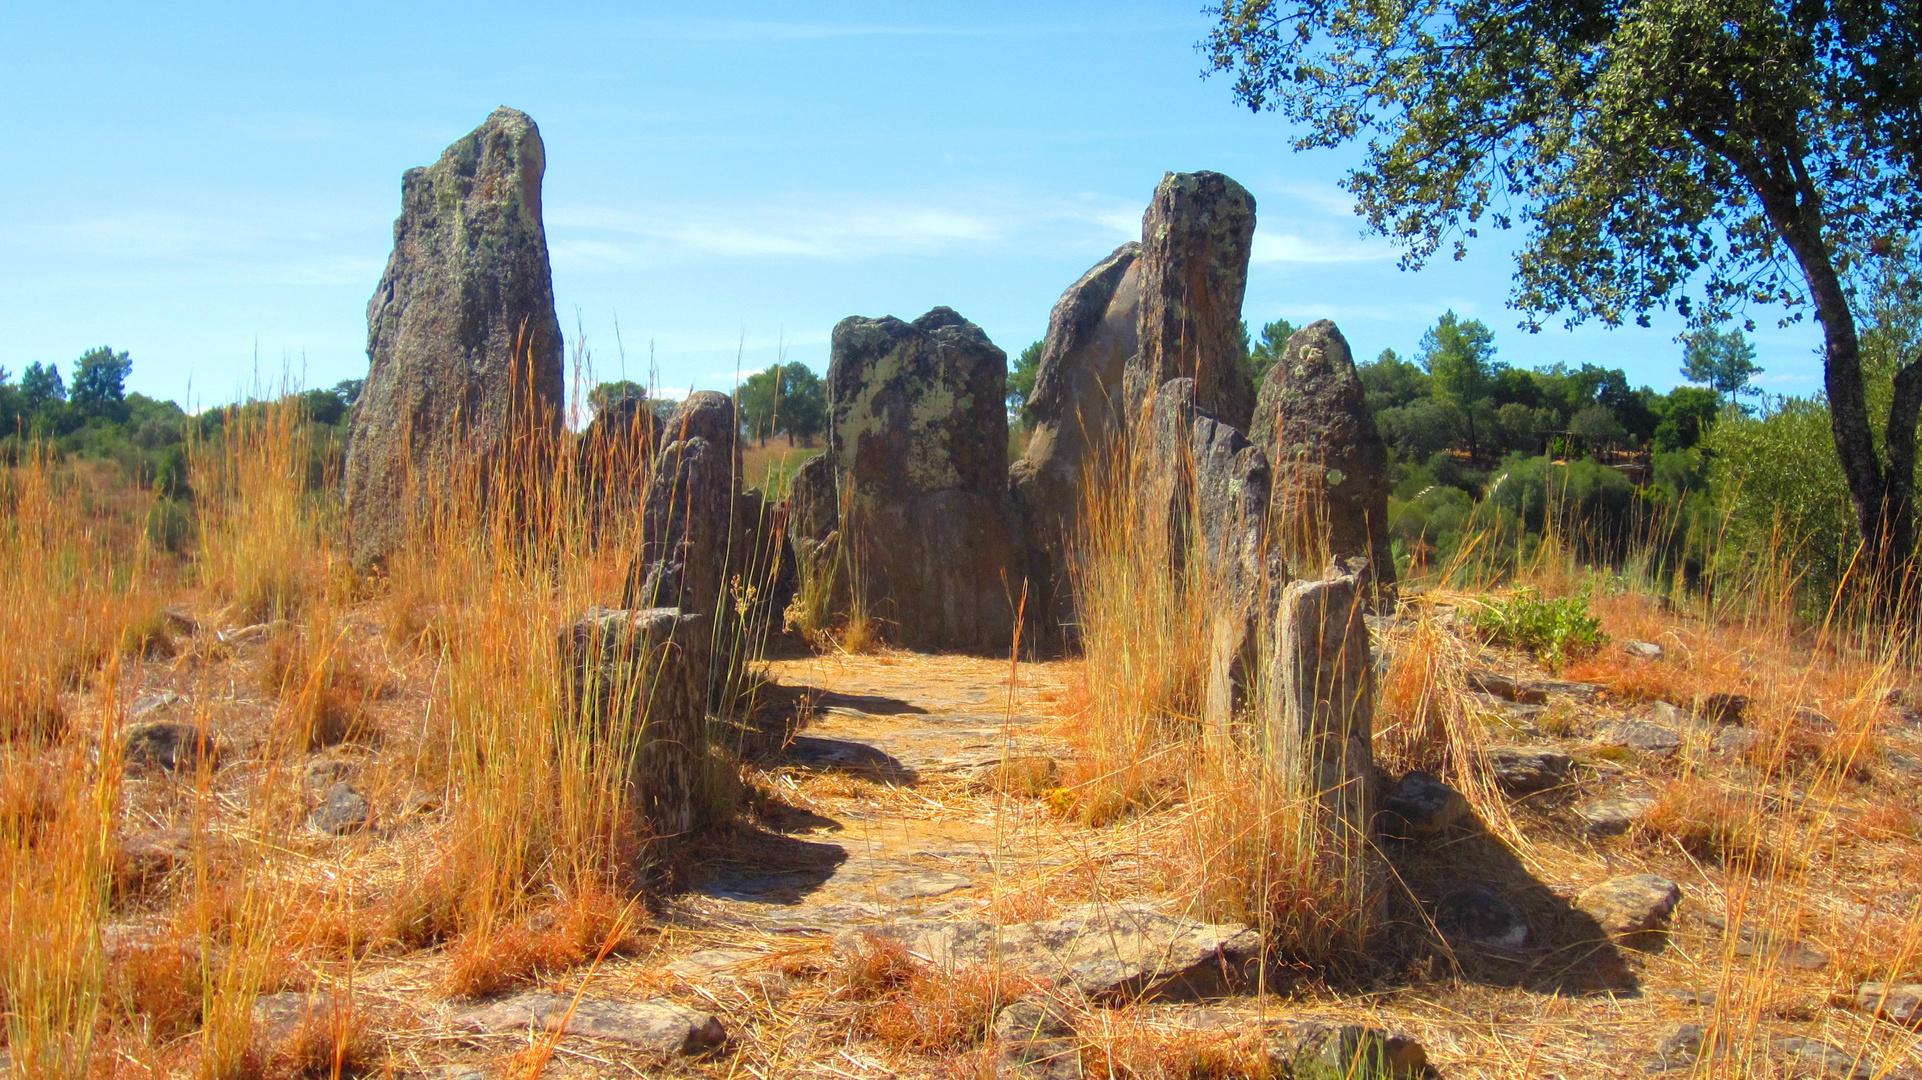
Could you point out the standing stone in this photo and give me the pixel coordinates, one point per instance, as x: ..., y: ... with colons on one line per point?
x: 1076, y: 411
x: 616, y: 459
x: 1331, y: 467
x: 1205, y: 489
x: 1321, y: 716
x: 920, y: 442
x: 635, y: 688
x: 1195, y: 242
x: 464, y: 351
x: 688, y: 526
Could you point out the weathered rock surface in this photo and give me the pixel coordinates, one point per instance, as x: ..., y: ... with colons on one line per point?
x: 463, y: 346
x: 663, y: 1027
x: 1899, y: 1003
x: 1034, y: 1039
x: 1421, y: 805
x: 617, y: 458
x: 1330, y: 465
x: 688, y: 515
x: 1483, y: 916
x: 1100, y: 949
x: 1521, y: 770
x: 1323, y: 702
x: 147, y: 856
x: 1501, y: 686
x: 1630, y: 904
x: 1615, y: 814
x: 169, y: 745
x: 635, y: 678
x: 1195, y: 240
x: 1312, y: 1051
x: 1077, y: 415
x: 920, y: 440
x: 341, y: 811
x: 1654, y: 740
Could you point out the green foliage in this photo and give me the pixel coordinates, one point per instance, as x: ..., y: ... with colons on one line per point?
x: 1554, y: 630
x: 41, y: 385
x: 783, y: 399
x: 1021, y: 380
x: 1723, y: 361
x: 1261, y: 355
x: 100, y: 383
x: 1685, y: 416
x: 1780, y: 489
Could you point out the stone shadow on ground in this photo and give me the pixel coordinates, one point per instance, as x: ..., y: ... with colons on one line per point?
x: 759, y: 866
x: 1457, y: 899
x: 844, y: 755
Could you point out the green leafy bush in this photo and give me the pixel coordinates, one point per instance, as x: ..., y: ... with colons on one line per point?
x: 1554, y: 630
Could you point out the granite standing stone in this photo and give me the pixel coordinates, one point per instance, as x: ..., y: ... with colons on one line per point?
x: 1195, y: 240
x: 464, y: 350
x: 919, y: 441
x: 1330, y: 464
x: 1076, y: 413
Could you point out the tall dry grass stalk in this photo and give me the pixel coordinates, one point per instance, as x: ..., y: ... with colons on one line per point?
x: 77, y: 602
x: 1248, y: 832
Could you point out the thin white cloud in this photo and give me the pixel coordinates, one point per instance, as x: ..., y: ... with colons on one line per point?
x: 1281, y: 247
x: 831, y: 228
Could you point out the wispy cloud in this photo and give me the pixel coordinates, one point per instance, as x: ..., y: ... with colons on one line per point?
x: 277, y: 246
x: 1283, y: 247
x: 841, y: 229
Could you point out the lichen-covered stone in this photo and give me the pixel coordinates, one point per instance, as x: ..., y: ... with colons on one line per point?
x: 1076, y: 413
x: 464, y: 350
x: 1195, y: 240
x: 688, y: 514
x: 1330, y: 464
x: 616, y: 459
x: 636, y: 687
x: 919, y: 442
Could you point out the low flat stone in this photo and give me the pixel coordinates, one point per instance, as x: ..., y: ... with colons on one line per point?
x: 1630, y: 904
x: 1314, y: 1051
x: 664, y: 1027
x: 1899, y: 1003
x: 707, y: 963
x: 1649, y: 738
x: 1421, y: 805
x: 923, y: 883
x: 160, y: 700
x: 1722, y: 708
x: 341, y: 811
x: 1483, y: 916
x: 1647, y: 650
x: 1813, y: 1059
x: 169, y: 745
x: 1812, y: 720
x: 147, y: 855
x: 1099, y: 949
x: 1784, y: 948
x: 1489, y: 682
x: 1034, y: 1039
x: 1731, y: 741
x: 1615, y: 814
x: 1524, y: 769
x: 278, y: 1016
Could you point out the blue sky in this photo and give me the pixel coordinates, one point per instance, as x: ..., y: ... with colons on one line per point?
x: 212, y: 187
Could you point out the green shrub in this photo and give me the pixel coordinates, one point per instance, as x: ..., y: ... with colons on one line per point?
x: 1554, y: 630
x: 1780, y: 490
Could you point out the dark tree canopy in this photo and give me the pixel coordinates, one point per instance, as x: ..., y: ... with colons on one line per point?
x: 1703, y: 155
x: 1724, y: 361
x: 100, y: 382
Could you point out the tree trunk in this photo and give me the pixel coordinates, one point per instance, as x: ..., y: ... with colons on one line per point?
x: 1882, y: 494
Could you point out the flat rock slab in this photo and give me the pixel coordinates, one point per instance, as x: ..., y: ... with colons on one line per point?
x: 1652, y: 739
x: 1098, y: 950
x: 1899, y: 1003
x: 660, y: 1026
x: 1614, y: 815
x: 1630, y: 904
x: 1524, y: 769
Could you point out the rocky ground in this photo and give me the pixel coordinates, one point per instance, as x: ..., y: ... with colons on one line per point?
x: 907, y: 870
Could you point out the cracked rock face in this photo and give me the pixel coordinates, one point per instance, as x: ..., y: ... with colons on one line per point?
x: 463, y: 346
x: 1195, y: 240
x: 1330, y: 464
x: 919, y: 446
x: 1098, y: 950
x: 663, y: 1027
x: 1631, y: 904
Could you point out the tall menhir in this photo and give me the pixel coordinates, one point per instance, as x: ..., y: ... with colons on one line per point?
x: 464, y: 350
